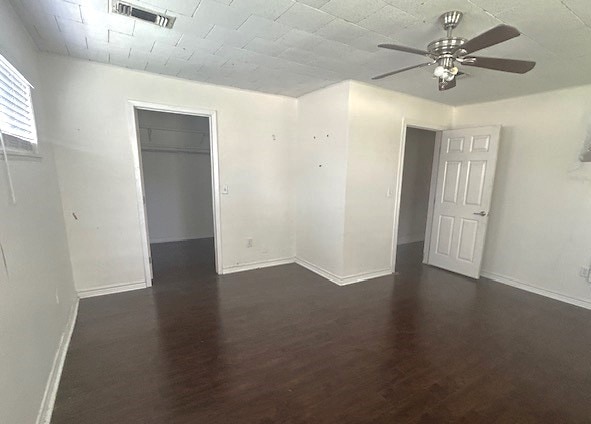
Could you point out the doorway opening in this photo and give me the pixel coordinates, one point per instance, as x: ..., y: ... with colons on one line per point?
x: 178, y: 196
x: 415, y: 194
x: 457, y: 203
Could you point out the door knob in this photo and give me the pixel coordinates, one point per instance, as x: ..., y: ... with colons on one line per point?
x: 481, y: 213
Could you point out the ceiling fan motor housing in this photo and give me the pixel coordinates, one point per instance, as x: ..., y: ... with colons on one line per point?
x: 446, y: 46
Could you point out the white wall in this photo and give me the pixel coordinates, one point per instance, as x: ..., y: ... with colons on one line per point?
x: 539, y: 229
x: 375, y: 128
x: 416, y: 183
x: 36, y: 291
x: 347, y: 181
x: 320, y: 177
x: 89, y: 122
x: 177, y: 184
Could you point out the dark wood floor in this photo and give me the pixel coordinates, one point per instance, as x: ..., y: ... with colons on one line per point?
x: 282, y: 345
x: 184, y: 261
x: 409, y: 257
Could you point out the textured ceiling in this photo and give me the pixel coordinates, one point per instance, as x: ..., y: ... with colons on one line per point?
x: 294, y: 47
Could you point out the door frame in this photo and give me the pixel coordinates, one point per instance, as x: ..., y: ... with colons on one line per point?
x: 132, y: 108
x: 437, y: 129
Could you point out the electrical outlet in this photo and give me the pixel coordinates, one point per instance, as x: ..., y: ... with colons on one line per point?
x: 248, y: 242
x: 584, y: 272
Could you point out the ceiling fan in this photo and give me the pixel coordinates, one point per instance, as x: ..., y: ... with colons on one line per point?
x: 449, y: 51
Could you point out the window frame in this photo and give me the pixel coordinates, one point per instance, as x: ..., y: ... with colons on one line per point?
x: 32, y: 150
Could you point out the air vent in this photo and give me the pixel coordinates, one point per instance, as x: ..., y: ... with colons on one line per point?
x: 126, y: 9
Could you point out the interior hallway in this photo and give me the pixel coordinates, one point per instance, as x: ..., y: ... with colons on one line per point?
x: 283, y: 345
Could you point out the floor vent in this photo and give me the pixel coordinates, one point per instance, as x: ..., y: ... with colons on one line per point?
x: 126, y: 9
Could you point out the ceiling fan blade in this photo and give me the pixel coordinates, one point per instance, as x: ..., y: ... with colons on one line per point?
x: 446, y: 85
x: 404, y: 49
x: 491, y: 37
x: 402, y: 70
x: 505, y: 65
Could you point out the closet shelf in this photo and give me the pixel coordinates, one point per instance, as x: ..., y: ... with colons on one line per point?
x: 168, y: 149
x: 204, y: 133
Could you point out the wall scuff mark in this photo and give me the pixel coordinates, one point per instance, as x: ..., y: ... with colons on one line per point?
x: 4, y: 261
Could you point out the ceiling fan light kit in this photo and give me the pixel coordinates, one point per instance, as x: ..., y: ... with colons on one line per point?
x: 449, y: 52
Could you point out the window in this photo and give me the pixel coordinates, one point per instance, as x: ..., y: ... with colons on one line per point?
x: 17, y: 119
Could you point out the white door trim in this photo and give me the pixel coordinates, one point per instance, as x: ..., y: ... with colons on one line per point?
x: 134, y: 105
x: 423, y: 125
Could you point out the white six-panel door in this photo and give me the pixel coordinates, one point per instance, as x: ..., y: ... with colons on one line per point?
x: 465, y: 177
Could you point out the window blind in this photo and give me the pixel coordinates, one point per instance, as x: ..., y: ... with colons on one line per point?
x: 17, y: 120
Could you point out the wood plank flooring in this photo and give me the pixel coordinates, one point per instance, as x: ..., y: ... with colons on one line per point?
x: 283, y: 345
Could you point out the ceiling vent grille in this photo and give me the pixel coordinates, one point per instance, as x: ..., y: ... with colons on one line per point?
x: 126, y: 9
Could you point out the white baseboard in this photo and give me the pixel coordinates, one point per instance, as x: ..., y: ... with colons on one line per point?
x: 333, y: 278
x: 46, y: 409
x: 173, y: 239
x: 114, y: 288
x: 411, y: 238
x: 358, y: 278
x: 509, y: 281
x: 256, y: 265
x: 342, y: 281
